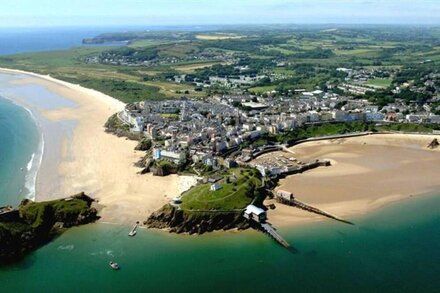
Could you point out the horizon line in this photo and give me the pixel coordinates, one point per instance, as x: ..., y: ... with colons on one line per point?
x: 91, y: 26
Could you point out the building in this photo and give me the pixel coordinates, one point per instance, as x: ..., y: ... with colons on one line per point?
x: 285, y: 195
x: 216, y: 186
x: 175, y: 157
x: 255, y: 213
x: 339, y: 115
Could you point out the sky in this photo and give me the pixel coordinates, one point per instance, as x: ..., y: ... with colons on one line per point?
x: 33, y: 13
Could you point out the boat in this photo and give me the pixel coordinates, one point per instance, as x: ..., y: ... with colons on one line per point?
x: 114, y: 265
x: 133, y: 231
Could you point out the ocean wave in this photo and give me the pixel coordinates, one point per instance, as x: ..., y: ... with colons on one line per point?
x: 66, y: 247
x: 33, y: 167
x: 34, y: 163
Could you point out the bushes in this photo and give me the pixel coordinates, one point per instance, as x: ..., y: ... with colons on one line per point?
x: 144, y: 145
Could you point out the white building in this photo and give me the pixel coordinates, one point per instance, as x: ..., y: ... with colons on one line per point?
x: 176, y: 157
x: 215, y: 187
x: 255, y: 213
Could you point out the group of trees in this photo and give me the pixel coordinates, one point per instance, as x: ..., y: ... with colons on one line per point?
x: 130, y: 54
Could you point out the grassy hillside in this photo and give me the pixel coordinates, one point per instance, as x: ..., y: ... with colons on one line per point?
x: 238, y: 188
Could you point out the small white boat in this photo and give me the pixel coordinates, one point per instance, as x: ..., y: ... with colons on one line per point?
x: 133, y: 231
x: 114, y: 265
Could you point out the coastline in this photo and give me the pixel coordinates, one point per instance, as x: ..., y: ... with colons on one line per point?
x: 93, y: 161
x: 102, y: 165
x: 367, y: 174
x: 34, y: 164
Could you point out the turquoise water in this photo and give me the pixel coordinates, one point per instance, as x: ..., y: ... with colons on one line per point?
x: 395, y: 249
x: 19, y: 140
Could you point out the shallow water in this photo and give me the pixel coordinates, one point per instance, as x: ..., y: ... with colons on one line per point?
x: 19, y: 140
x: 38, y: 99
x: 395, y: 249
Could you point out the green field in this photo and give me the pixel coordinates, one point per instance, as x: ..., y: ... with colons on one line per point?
x: 310, y: 57
x: 262, y: 89
x: 239, y: 188
x: 380, y: 82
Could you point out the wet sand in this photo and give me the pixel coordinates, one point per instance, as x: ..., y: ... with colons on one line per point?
x: 366, y: 173
x: 93, y: 161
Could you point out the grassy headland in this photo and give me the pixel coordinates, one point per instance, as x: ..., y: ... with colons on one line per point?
x: 203, y: 209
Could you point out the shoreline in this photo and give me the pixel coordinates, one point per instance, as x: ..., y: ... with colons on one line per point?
x: 93, y: 161
x: 381, y: 170
x: 34, y: 164
x: 103, y: 165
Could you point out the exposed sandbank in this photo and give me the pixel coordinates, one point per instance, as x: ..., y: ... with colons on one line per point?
x: 366, y: 173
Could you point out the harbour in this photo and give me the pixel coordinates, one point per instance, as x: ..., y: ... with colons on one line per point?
x: 382, y: 250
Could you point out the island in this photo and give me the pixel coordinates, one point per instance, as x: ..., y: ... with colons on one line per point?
x: 33, y: 224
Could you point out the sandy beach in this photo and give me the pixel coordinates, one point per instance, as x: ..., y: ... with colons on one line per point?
x: 95, y: 162
x: 367, y: 173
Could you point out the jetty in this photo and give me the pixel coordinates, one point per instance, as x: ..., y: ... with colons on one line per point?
x: 309, y: 208
x: 133, y: 231
x: 270, y: 230
x: 287, y: 198
x: 258, y: 216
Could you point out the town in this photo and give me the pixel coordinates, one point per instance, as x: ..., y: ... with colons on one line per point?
x: 231, y: 129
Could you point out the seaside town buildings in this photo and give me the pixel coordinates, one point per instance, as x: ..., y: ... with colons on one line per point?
x: 214, y: 131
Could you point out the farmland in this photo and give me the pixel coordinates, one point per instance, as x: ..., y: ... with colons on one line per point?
x: 289, y: 58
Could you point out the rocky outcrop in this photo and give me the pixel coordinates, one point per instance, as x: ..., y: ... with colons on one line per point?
x: 434, y: 144
x: 164, y: 170
x: 115, y: 126
x: 179, y: 221
x: 38, y: 223
x: 144, y: 145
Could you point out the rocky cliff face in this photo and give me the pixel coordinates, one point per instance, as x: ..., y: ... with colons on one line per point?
x: 178, y: 221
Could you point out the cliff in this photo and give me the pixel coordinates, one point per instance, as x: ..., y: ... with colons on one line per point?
x: 35, y: 224
x: 179, y: 221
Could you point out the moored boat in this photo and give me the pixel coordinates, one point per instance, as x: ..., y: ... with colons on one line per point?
x: 114, y: 265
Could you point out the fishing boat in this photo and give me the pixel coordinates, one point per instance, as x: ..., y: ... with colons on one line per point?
x: 114, y: 265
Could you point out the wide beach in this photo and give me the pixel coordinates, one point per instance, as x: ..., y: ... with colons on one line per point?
x: 367, y: 173
x: 80, y: 156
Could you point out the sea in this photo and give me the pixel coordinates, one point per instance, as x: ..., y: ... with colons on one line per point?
x: 393, y: 249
